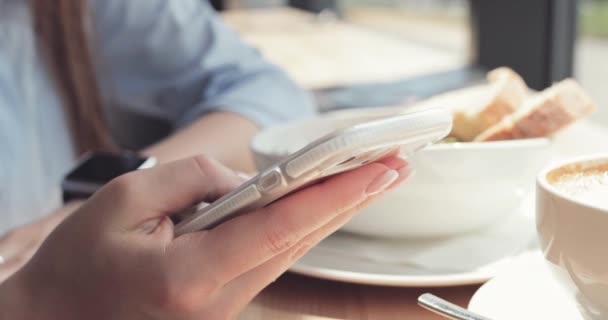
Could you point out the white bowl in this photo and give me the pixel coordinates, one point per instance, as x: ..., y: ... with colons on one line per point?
x: 457, y: 187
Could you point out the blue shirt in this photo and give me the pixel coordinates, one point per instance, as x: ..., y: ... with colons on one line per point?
x: 167, y: 60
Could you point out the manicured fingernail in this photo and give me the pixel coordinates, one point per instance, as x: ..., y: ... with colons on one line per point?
x: 405, y: 160
x: 405, y: 174
x: 382, y: 182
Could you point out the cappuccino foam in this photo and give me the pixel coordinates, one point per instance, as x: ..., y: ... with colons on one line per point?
x: 586, y: 184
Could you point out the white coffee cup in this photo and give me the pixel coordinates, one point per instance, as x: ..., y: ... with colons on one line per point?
x: 573, y: 233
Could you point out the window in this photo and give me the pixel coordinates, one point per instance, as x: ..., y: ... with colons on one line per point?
x: 591, y: 55
x: 443, y: 25
x: 356, y: 53
x: 382, y: 52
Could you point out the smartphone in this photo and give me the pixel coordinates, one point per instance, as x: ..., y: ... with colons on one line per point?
x: 337, y: 152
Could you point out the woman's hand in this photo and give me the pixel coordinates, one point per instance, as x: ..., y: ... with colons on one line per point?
x: 18, y: 245
x: 117, y: 256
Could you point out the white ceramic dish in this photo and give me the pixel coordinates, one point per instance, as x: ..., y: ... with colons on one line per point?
x: 460, y: 260
x: 457, y: 187
x: 526, y: 291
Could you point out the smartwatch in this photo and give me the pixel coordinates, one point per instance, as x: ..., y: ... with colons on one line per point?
x: 94, y: 169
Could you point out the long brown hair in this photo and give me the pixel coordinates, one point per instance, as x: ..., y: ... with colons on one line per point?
x: 61, y: 27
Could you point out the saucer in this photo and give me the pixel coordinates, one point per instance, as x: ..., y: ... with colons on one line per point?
x: 526, y: 291
x: 470, y: 258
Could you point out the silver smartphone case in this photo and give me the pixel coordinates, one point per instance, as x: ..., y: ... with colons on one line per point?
x: 336, y: 152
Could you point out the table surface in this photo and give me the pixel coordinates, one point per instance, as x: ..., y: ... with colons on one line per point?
x: 298, y: 297
x: 317, y: 53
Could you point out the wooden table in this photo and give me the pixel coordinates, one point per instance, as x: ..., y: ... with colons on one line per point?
x: 298, y: 297
x: 319, y: 53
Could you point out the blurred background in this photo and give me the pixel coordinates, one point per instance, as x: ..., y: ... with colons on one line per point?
x: 358, y: 53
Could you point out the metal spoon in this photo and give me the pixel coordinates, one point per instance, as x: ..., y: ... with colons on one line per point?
x: 447, y: 309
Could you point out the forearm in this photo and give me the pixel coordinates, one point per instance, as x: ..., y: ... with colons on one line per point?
x: 224, y: 136
x: 23, y: 297
x: 14, y: 303
x: 57, y: 216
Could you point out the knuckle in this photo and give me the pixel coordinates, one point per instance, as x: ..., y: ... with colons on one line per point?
x: 278, y: 239
x: 359, y: 206
x: 209, y: 286
x: 300, y: 249
x: 123, y: 188
x: 185, y: 298
x: 179, y: 300
x: 203, y: 163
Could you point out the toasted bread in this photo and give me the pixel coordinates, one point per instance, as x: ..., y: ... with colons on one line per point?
x: 479, y: 107
x: 543, y: 114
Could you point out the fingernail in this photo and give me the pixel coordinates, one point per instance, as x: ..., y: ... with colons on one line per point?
x: 382, y: 182
x: 405, y: 174
x: 405, y: 160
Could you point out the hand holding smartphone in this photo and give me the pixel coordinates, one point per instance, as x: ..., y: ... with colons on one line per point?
x: 334, y: 153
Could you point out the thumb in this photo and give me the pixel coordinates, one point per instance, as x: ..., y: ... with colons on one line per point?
x: 166, y: 189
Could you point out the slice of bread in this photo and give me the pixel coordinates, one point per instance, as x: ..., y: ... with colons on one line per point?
x: 543, y: 114
x: 479, y: 107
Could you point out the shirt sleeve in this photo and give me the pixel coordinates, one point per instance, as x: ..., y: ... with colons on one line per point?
x: 177, y: 60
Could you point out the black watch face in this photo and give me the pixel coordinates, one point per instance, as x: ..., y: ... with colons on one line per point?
x: 100, y: 168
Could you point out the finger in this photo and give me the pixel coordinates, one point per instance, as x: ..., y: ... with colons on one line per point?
x: 252, y: 239
x: 397, y: 163
x: 243, y: 289
x: 166, y: 189
x: 405, y: 173
x: 394, y: 162
x: 391, y: 160
x: 401, y: 165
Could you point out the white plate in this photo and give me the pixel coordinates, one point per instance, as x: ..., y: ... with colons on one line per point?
x: 527, y: 291
x: 467, y: 259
